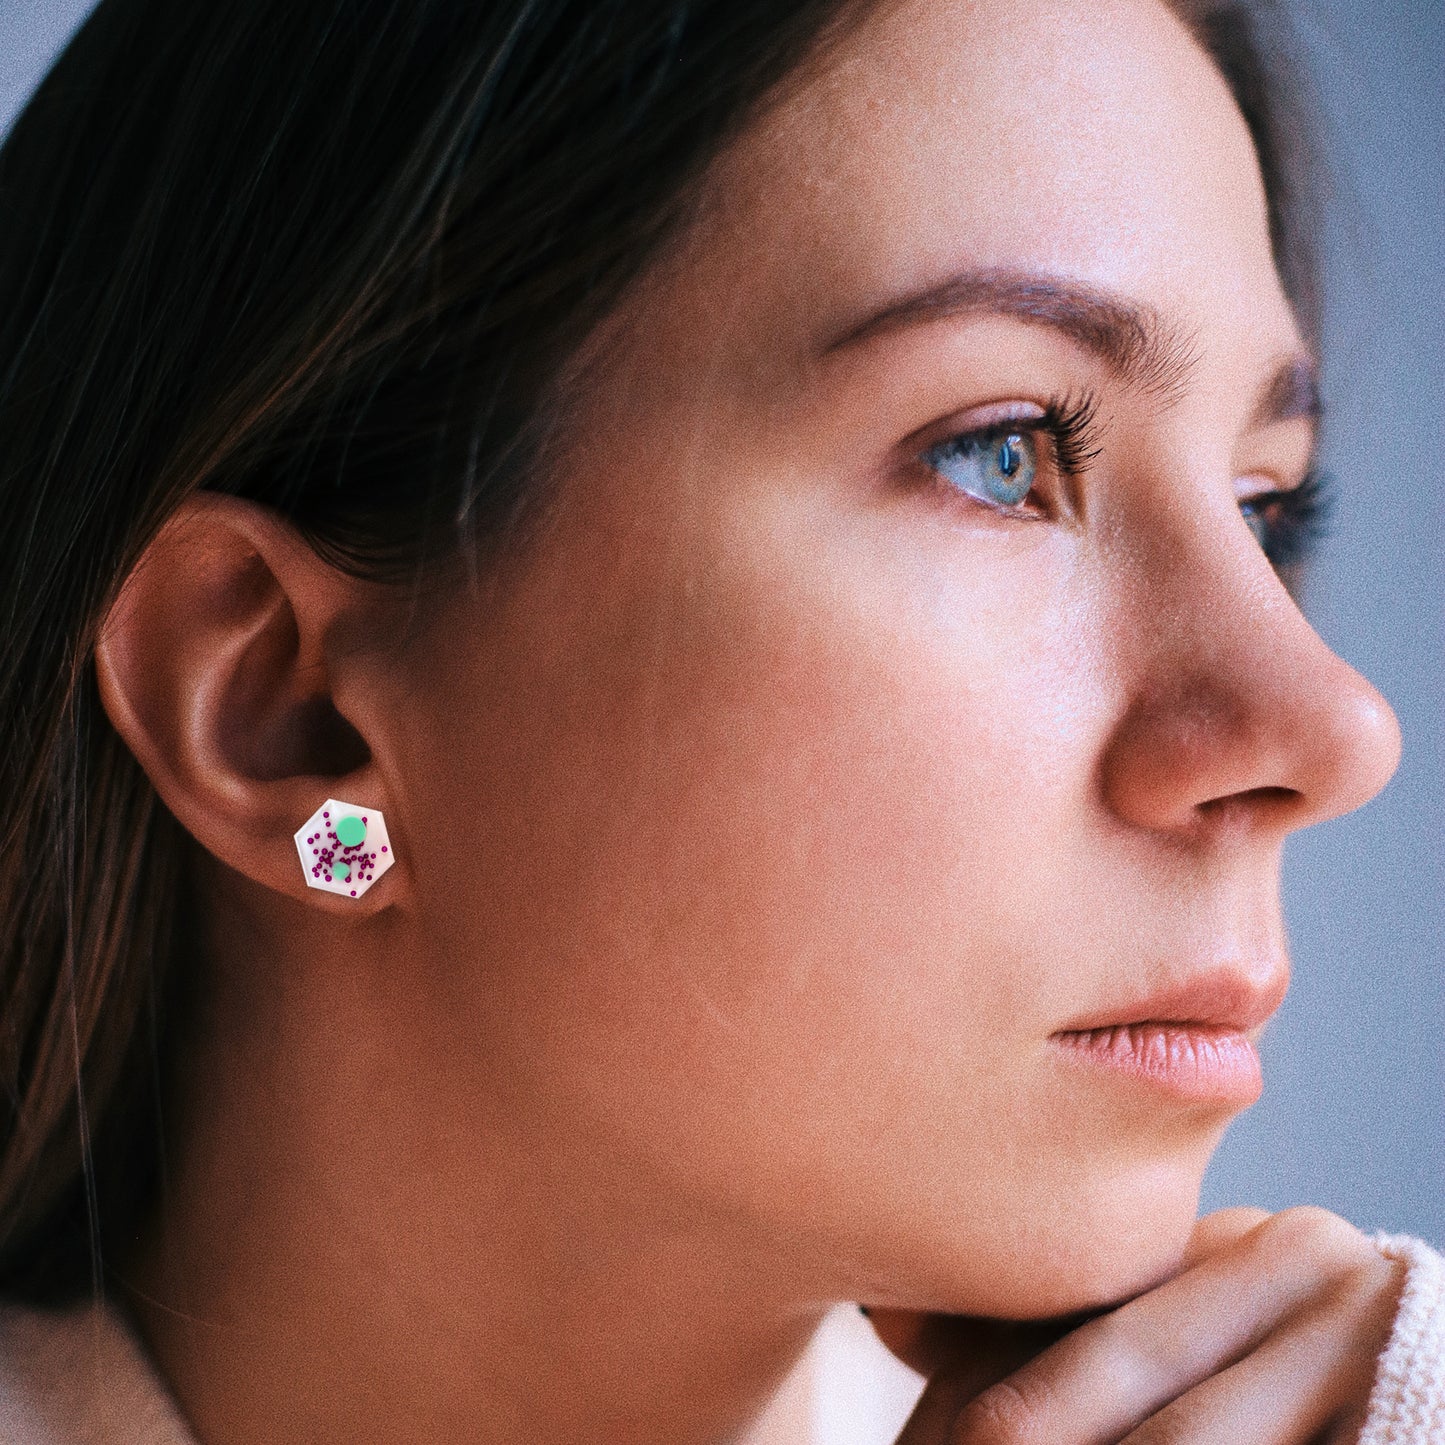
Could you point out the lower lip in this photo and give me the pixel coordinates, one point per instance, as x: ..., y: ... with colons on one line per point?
x: 1195, y: 1063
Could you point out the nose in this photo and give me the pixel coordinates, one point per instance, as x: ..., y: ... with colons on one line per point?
x: 1239, y: 713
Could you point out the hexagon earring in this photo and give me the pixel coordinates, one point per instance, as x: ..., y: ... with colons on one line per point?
x: 344, y: 848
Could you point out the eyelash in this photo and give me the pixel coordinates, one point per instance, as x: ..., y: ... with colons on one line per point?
x: 1072, y: 427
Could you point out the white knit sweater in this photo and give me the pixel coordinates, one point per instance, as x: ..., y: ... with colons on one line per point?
x: 80, y: 1378
x: 1408, y: 1401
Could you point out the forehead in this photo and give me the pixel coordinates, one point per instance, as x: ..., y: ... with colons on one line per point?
x: 1092, y: 140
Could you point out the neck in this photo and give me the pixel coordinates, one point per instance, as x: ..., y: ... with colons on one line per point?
x: 345, y: 1254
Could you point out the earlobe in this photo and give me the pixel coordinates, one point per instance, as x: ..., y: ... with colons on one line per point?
x: 214, y: 666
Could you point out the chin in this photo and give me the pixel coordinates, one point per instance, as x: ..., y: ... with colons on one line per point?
x: 1110, y: 1277
x: 1070, y: 1248
x: 1106, y: 1250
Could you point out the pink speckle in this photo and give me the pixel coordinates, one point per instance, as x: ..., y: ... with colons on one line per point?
x: 353, y: 893
x: 383, y: 847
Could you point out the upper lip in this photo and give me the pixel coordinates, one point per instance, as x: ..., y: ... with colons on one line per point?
x: 1230, y: 997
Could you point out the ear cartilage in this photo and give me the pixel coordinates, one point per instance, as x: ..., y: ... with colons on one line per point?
x: 344, y: 848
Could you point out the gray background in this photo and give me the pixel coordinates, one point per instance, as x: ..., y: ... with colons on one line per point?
x: 1353, y: 1115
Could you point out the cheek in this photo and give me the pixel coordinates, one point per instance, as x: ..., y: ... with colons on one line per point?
x: 771, y: 886
x: 827, y: 758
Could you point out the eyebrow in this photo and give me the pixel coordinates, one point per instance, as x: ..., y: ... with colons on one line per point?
x: 1133, y: 340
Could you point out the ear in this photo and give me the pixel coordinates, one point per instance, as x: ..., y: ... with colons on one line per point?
x: 230, y: 666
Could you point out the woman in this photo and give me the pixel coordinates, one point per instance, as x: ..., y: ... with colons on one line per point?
x: 774, y: 518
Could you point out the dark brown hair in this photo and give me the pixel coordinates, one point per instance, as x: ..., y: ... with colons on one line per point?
x: 327, y: 255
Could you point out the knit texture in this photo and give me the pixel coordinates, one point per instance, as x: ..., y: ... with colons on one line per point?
x: 1407, y: 1404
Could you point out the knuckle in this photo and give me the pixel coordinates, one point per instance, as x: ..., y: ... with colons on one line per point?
x: 1247, y: 1218
x: 1129, y: 1370
x: 1242, y: 1217
x: 1318, y: 1233
x: 1002, y: 1415
x: 1369, y: 1293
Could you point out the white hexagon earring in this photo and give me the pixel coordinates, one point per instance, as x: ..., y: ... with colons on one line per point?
x: 344, y: 848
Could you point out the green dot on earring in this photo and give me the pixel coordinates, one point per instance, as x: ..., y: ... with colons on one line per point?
x: 340, y: 871
x: 350, y: 831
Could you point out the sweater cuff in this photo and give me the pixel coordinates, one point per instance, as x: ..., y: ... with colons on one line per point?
x: 1407, y: 1403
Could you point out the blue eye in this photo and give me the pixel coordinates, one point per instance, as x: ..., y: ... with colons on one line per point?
x: 996, y: 467
x: 1290, y: 525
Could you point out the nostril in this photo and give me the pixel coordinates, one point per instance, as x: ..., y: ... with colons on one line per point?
x: 1252, y: 797
x: 1250, y: 807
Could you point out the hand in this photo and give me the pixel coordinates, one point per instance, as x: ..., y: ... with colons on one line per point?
x: 1269, y: 1335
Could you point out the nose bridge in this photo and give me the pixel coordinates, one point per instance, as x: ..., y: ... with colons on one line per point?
x: 1237, y: 698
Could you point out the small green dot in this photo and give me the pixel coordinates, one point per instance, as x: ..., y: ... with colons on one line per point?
x: 350, y: 831
x: 341, y: 872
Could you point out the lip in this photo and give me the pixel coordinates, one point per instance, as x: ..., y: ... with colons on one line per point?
x: 1192, y: 1040
x: 1223, y: 998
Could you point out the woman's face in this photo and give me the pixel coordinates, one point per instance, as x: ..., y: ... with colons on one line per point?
x: 769, y: 815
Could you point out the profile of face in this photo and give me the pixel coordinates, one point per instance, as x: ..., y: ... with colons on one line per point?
x: 898, y: 681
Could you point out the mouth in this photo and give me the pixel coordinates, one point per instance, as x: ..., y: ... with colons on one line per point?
x: 1193, y: 1040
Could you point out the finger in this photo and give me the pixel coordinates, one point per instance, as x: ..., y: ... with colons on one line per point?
x: 1218, y: 1230
x: 1110, y: 1375
x: 1303, y: 1384
x: 965, y: 1356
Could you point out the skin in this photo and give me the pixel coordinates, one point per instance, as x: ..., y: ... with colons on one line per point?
x: 758, y: 824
